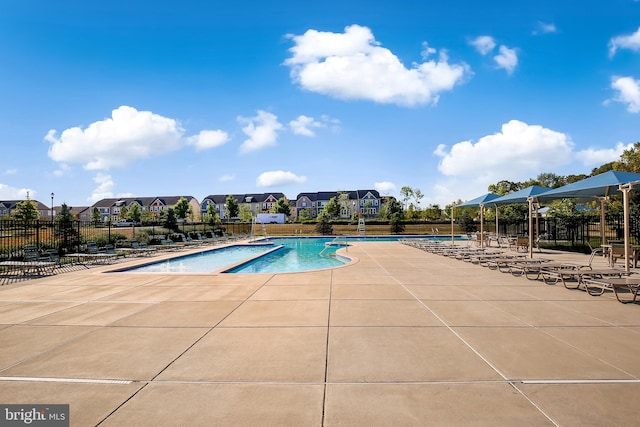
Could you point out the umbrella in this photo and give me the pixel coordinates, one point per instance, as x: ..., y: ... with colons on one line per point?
x: 520, y: 196
x: 600, y: 186
x: 480, y: 201
x: 523, y: 196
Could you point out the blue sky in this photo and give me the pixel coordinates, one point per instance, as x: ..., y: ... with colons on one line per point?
x: 142, y: 98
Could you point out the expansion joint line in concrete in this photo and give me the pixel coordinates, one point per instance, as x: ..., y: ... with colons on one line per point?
x: 465, y: 342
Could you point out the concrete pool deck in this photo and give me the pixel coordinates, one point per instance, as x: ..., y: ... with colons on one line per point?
x: 400, y: 337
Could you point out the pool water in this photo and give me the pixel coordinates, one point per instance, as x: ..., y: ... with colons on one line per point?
x: 204, y: 262
x: 275, y: 255
x: 297, y: 254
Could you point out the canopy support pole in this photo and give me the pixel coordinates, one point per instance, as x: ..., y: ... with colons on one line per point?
x: 530, y: 200
x: 481, y: 225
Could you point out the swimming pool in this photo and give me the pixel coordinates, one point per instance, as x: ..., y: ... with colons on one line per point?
x: 273, y: 255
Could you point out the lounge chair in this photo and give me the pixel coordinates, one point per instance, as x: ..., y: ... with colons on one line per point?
x: 629, y: 284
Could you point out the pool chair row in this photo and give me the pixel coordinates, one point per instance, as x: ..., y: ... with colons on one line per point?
x: 595, y: 281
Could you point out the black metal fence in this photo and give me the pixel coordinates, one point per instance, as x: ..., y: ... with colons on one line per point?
x: 573, y: 230
x: 71, y: 236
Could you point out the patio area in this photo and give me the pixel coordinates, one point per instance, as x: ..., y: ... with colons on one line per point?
x: 398, y: 337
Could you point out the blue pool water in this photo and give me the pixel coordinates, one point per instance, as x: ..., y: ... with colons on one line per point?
x: 277, y: 255
x: 204, y: 262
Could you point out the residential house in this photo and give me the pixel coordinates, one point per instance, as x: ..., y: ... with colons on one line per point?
x: 8, y: 206
x: 365, y: 202
x: 151, y: 207
x: 257, y: 202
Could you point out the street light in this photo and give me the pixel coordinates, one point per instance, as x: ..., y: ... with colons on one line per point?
x: 52, y: 196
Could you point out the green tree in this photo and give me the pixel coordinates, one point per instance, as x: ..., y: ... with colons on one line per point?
x: 232, y: 209
x: 396, y: 225
x: 304, y: 215
x: 324, y: 226
x: 135, y: 214
x: 211, y: 217
x: 332, y: 209
x: 170, y: 221
x: 245, y: 213
x: 96, y: 216
x: 630, y: 159
x: 182, y: 208
x: 123, y: 213
x: 282, y: 206
x: 26, y: 211
x: 65, y: 231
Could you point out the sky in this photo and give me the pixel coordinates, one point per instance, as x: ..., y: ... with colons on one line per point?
x: 133, y: 98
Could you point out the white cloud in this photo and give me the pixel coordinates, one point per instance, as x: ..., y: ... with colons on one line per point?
x: 10, y: 172
x: 597, y: 157
x: 127, y: 136
x: 628, y: 92
x: 208, y: 139
x: 303, y: 125
x: 483, y: 44
x: 12, y: 193
x: 545, y: 28
x: 104, y: 189
x: 262, y: 131
x: 274, y: 178
x: 353, y: 65
x: 226, y: 178
x: 507, y: 59
x: 631, y: 41
x: 384, y: 187
x: 515, y: 153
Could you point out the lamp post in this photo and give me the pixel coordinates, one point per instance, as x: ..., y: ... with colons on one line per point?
x: 52, y: 196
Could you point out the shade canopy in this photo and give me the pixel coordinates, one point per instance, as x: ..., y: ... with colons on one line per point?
x: 520, y: 196
x: 478, y: 201
x: 602, y: 185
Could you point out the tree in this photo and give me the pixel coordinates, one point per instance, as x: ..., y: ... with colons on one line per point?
x: 332, y: 209
x: 96, y: 216
x: 245, y: 213
x: 123, y: 213
x: 26, y: 211
x: 182, y: 208
x: 170, y: 221
x: 232, y: 209
x: 407, y: 193
x: 323, y: 226
x: 65, y: 230
x: 304, y: 215
x: 343, y: 204
x: 630, y: 159
x: 135, y: 214
x: 211, y: 217
x: 282, y: 206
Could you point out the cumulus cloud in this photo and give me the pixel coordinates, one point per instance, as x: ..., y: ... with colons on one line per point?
x: 353, y: 65
x: 384, y: 187
x: 276, y: 178
x: 104, y: 189
x: 261, y: 129
x: 628, y: 92
x: 127, y: 136
x: 304, y: 125
x: 631, y: 41
x: 483, y: 44
x: 208, y: 139
x: 11, y: 193
x: 515, y: 153
x: 597, y: 157
x: 506, y: 58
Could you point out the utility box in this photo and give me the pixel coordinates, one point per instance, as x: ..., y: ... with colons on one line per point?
x: 277, y: 218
